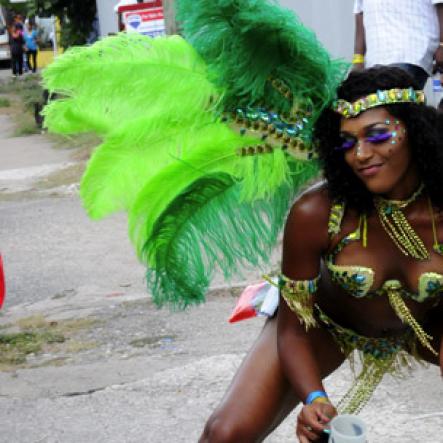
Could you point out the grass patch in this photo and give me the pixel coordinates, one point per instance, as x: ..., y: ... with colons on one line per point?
x: 67, y: 176
x: 152, y: 341
x: 15, y: 347
x: 74, y: 346
x: 26, y: 128
x: 71, y: 326
x: 84, y: 143
x: 28, y: 88
x: 33, y: 322
x: 23, y: 93
x: 37, y: 335
x: 4, y: 103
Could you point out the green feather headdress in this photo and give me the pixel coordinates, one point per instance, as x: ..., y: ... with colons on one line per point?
x: 206, y: 140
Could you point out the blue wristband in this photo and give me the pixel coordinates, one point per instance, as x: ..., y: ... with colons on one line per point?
x: 314, y: 395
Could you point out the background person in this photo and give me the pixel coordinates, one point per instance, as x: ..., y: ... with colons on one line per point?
x: 403, y: 33
x: 30, y: 37
x: 16, y: 43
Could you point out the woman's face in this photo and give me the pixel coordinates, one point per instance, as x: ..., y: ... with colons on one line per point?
x: 375, y: 146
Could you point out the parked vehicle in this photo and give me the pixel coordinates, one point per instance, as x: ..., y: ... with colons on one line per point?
x: 5, y: 53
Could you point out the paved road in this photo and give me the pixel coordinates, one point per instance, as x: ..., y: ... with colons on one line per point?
x: 49, y: 246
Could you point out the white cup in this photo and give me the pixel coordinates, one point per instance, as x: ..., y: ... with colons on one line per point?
x: 347, y: 428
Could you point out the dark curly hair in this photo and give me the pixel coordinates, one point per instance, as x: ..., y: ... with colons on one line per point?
x: 425, y: 132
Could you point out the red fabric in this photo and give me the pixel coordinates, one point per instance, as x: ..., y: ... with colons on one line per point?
x: 2, y: 283
x: 244, y: 308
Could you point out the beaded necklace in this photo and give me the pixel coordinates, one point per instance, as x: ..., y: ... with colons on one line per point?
x: 396, y: 225
x: 438, y: 247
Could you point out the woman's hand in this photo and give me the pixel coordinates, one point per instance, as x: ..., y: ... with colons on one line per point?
x: 312, y: 420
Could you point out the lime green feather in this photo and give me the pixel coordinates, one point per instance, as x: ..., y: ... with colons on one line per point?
x: 150, y: 126
x: 123, y: 77
x: 133, y: 107
x: 129, y: 158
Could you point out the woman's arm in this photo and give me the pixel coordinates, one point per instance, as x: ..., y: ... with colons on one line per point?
x: 305, y: 240
x: 359, y: 43
x: 438, y: 56
x: 441, y: 354
x: 440, y: 327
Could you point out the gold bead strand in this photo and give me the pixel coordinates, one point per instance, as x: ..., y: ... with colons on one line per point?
x: 438, y: 247
x: 405, y: 315
x: 396, y: 225
x: 408, y: 233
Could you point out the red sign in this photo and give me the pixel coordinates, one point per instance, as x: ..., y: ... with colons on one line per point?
x: 145, y: 18
x: 137, y: 6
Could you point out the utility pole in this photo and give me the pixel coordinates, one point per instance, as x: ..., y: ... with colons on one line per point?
x: 169, y: 13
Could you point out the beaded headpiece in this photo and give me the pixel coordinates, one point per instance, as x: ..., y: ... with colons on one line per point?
x: 379, y: 98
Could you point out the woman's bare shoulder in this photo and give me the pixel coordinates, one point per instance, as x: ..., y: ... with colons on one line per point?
x: 309, y: 214
x: 314, y: 203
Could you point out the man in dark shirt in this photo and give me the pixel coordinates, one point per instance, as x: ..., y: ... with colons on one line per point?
x: 16, y: 43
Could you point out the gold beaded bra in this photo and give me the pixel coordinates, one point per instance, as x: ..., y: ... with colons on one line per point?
x: 358, y: 280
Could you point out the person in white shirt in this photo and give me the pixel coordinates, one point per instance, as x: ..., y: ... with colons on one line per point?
x: 403, y: 33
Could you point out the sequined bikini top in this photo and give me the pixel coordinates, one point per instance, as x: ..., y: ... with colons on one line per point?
x: 358, y: 280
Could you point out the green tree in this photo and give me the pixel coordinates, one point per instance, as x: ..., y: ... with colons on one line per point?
x: 76, y: 17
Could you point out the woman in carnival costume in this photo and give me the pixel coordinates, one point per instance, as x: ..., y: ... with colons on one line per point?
x: 207, y: 162
x: 362, y: 264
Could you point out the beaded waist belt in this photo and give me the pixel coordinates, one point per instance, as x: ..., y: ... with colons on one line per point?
x: 377, y: 355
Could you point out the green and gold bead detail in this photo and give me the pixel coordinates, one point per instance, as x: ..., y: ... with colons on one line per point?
x: 379, y: 98
x: 354, y: 279
x: 430, y: 285
x: 397, y: 226
x: 335, y: 218
x: 393, y: 290
x: 377, y: 356
x: 298, y: 296
x: 274, y: 130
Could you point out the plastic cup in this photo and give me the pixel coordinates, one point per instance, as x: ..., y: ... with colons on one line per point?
x: 347, y: 428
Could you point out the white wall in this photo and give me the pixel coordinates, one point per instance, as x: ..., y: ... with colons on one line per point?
x: 107, y: 17
x: 333, y: 23
x: 331, y: 20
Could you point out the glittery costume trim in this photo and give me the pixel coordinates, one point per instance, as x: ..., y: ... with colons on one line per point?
x: 335, y: 218
x: 289, y: 133
x: 298, y: 296
x: 379, y: 98
x: 377, y: 355
x: 358, y: 280
x: 393, y: 291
